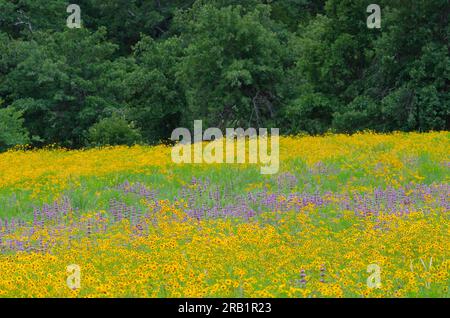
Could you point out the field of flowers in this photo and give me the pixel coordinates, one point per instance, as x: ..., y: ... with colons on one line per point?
x: 138, y: 225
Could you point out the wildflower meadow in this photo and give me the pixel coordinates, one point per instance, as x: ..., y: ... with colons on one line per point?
x: 365, y: 215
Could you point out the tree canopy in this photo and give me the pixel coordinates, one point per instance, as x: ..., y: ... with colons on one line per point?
x: 301, y: 65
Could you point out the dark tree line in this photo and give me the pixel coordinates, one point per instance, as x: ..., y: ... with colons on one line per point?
x: 138, y: 69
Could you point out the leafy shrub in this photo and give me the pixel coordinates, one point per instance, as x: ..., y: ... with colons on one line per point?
x: 12, y: 131
x: 112, y: 131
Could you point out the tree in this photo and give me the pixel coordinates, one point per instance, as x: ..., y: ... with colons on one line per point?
x: 23, y: 18
x: 301, y: 65
x: 126, y: 20
x: 231, y: 65
x: 113, y: 131
x: 64, y: 82
x: 12, y: 131
x: 154, y: 97
x: 411, y: 67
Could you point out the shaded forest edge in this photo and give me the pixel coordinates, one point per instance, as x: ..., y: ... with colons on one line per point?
x: 136, y: 70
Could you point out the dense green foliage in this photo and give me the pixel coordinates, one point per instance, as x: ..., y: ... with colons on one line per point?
x: 300, y: 65
x: 12, y: 132
x: 113, y: 131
